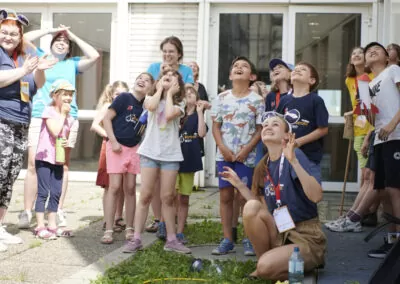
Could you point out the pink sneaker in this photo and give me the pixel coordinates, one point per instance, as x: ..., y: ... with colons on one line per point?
x: 132, y: 245
x: 176, y: 246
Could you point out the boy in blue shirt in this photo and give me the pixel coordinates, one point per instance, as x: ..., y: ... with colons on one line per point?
x: 307, y: 113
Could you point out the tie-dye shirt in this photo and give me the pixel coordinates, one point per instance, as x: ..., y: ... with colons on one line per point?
x: 239, y: 117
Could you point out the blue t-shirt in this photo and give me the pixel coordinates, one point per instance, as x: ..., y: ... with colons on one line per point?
x: 292, y: 194
x: 190, y: 145
x: 66, y: 69
x: 270, y: 101
x: 15, y: 106
x: 128, y: 110
x: 186, y: 72
x: 306, y: 114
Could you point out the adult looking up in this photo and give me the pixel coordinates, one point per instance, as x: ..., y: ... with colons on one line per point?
x: 67, y: 68
x: 197, y: 85
x: 21, y: 73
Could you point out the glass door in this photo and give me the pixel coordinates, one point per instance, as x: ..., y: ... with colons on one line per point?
x: 326, y: 40
x: 256, y: 32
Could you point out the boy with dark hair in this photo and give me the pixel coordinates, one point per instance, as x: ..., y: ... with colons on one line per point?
x: 236, y: 129
x: 307, y: 113
x: 385, y: 94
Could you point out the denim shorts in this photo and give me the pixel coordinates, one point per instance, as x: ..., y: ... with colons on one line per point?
x: 146, y: 162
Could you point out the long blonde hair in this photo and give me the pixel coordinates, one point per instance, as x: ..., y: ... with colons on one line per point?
x: 106, y: 96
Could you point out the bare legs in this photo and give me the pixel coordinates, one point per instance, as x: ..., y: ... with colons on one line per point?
x: 227, y: 196
x: 30, y: 183
x: 183, y: 210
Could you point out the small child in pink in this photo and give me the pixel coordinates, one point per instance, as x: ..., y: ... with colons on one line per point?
x: 56, y: 122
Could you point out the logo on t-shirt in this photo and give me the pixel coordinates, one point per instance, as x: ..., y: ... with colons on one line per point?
x: 129, y: 108
x: 375, y: 89
x: 396, y: 156
x: 186, y: 138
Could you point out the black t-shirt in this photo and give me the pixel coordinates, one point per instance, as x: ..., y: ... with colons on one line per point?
x: 128, y: 110
x: 270, y: 101
x: 306, y: 114
x: 190, y: 145
x: 202, y: 92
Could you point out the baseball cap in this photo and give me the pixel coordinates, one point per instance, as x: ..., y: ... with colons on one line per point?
x: 9, y: 14
x: 276, y: 61
x: 61, y: 84
x: 374, y: 43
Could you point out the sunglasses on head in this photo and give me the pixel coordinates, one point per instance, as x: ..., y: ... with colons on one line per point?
x: 268, y: 114
x: 6, y: 14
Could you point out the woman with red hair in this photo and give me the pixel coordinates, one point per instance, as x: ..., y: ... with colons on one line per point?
x: 21, y: 74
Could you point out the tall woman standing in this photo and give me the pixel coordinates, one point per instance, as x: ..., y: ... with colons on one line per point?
x: 67, y: 68
x: 20, y: 76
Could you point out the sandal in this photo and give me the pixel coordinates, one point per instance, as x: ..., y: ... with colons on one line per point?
x: 107, y: 239
x: 129, y: 233
x: 119, y: 225
x: 61, y: 232
x: 44, y: 234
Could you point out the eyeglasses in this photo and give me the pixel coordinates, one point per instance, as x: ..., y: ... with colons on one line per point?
x: 12, y: 34
x: 267, y: 115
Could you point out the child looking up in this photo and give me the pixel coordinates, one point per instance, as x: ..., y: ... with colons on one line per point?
x: 236, y: 130
x: 192, y: 129
x: 49, y: 161
x: 307, y: 113
x: 121, y: 152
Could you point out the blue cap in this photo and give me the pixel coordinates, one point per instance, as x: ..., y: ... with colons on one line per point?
x: 277, y: 61
x: 9, y: 14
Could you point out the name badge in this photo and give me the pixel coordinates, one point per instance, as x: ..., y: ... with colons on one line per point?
x: 361, y: 121
x: 25, y: 92
x: 283, y: 220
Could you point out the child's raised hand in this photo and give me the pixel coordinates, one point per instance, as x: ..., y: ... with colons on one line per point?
x: 199, y: 106
x: 230, y: 175
x: 174, y: 87
x: 289, y: 146
x: 159, y: 86
x: 65, y: 108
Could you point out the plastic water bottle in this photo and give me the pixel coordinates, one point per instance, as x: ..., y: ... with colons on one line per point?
x: 140, y: 126
x: 296, y: 267
x: 60, y: 150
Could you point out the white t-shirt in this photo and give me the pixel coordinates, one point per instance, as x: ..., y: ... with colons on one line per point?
x: 386, y: 96
x: 161, y: 140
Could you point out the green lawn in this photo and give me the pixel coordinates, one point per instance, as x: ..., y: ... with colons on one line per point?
x: 154, y: 265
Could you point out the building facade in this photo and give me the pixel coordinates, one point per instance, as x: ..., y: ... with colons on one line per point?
x: 128, y: 33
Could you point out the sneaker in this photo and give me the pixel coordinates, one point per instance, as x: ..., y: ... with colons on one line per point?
x: 132, y: 245
x: 176, y: 246
x: 162, y: 231
x: 3, y: 247
x: 370, y: 220
x: 382, y: 251
x: 61, y: 218
x: 153, y: 227
x: 181, y: 238
x: 7, y: 238
x: 336, y: 222
x: 25, y: 218
x: 225, y: 247
x: 248, y: 248
x: 347, y: 226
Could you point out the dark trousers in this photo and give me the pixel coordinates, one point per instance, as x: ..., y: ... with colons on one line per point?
x: 50, y: 178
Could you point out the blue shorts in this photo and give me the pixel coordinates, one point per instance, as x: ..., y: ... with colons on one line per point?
x: 245, y: 173
x: 146, y: 162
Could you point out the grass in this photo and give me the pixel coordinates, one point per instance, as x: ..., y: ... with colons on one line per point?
x: 154, y: 265
x: 35, y: 243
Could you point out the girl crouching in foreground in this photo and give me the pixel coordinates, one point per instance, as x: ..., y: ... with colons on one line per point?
x: 284, y: 178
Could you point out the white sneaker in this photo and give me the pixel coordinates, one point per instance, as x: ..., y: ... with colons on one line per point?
x: 7, y: 238
x: 61, y: 218
x: 336, y: 222
x: 25, y: 219
x: 347, y: 226
x: 3, y: 247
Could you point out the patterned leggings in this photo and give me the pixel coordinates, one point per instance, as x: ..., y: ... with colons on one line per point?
x: 13, y: 143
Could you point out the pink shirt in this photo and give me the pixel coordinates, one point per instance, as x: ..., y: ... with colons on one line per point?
x: 46, y: 150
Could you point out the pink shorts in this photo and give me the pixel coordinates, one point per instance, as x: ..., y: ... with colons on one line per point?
x: 126, y: 161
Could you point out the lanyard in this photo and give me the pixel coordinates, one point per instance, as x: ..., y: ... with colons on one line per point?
x: 277, y: 99
x: 277, y: 186
x: 15, y: 59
